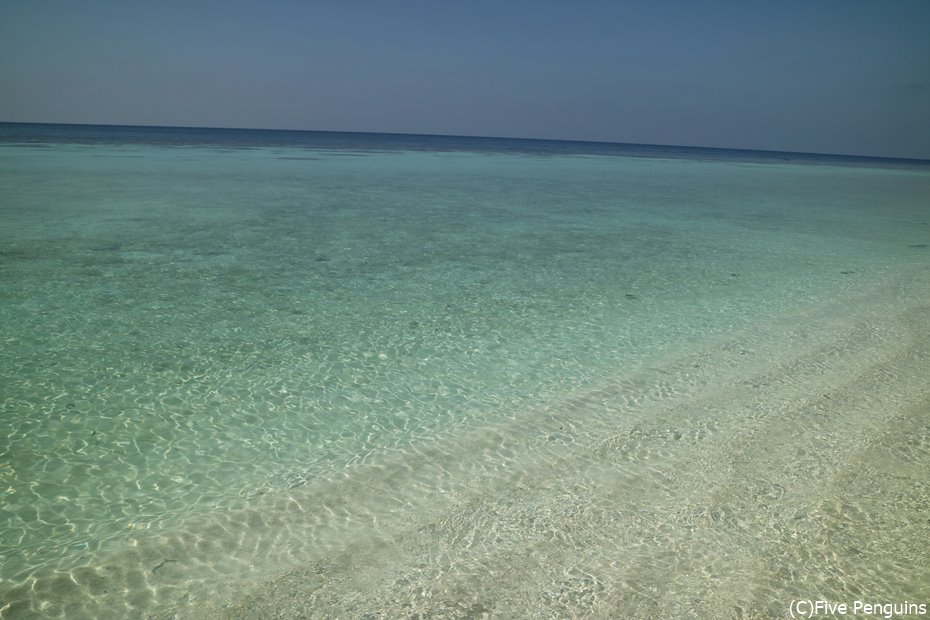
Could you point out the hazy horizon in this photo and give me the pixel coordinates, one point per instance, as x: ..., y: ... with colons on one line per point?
x: 836, y: 77
x: 477, y: 137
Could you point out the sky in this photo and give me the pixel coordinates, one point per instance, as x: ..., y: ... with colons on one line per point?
x: 821, y: 76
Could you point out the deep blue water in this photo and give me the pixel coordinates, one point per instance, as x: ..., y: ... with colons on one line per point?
x: 227, y: 138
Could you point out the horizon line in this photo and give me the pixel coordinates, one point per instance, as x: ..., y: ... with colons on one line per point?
x: 478, y: 137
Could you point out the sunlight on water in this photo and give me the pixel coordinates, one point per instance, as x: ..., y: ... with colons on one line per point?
x: 615, y: 374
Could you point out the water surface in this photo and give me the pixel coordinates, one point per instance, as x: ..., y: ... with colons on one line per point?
x: 227, y: 354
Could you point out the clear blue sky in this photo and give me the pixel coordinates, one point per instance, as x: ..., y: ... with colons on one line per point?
x: 835, y: 76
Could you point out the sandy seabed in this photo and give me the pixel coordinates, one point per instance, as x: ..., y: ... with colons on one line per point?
x: 787, y: 461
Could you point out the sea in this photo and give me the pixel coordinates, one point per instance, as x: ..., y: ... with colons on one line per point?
x: 296, y: 374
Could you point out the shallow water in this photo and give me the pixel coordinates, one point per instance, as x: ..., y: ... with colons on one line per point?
x: 222, y: 363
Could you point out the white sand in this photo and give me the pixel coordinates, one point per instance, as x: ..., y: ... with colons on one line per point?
x: 788, y: 461
x: 791, y: 461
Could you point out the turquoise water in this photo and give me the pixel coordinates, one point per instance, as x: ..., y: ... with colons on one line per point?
x: 195, y: 337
